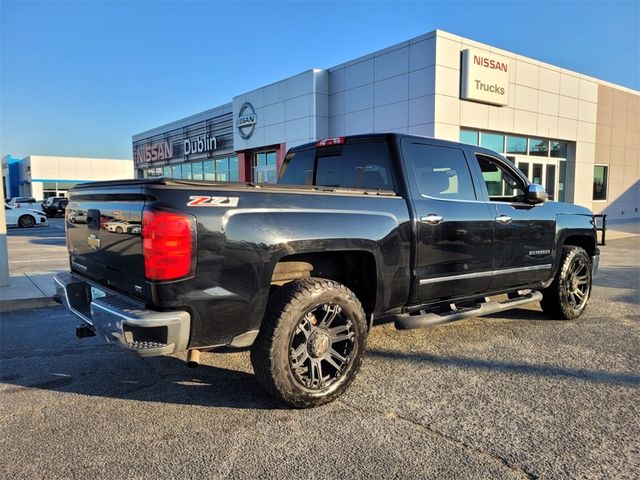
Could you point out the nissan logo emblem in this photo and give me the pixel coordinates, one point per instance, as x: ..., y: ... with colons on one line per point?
x: 247, y: 120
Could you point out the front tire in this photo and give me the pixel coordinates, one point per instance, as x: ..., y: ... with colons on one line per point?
x: 311, y: 343
x: 567, y: 297
x: 26, y: 221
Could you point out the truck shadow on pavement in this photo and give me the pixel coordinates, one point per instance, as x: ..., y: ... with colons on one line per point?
x: 160, y: 379
x: 612, y: 378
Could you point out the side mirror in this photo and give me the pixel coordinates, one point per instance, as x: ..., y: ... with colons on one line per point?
x: 536, y: 194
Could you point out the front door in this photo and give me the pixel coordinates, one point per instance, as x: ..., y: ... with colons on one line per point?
x: 454, y: 248
x: 524, y: 233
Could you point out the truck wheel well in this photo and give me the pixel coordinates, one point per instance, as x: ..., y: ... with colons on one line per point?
x: 354, y: 269
x: 587, y: 243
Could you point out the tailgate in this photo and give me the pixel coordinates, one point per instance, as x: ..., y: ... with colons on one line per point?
x: 104, y: 226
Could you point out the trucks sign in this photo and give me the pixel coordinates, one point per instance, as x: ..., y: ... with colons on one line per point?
x: 485, y: 77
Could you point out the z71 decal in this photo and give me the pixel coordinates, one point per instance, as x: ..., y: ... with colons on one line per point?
x: 202, y: 201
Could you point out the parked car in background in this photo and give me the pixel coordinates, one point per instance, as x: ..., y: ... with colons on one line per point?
x: 76, y: 216
x: 122, y: 226
x: 54, y: 206
x: 23, y: 217
x: 23, y: 202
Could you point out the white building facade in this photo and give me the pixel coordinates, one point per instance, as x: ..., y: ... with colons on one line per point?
x: 576, y: 135
x: 41, y: 176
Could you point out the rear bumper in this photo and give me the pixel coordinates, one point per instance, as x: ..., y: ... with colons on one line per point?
x: 123, y: 321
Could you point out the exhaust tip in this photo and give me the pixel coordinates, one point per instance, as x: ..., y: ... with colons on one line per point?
x: 193, y: 359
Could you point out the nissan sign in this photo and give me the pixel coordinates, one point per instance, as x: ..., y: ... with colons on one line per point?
x: 247, y: 120
x: 200, y: 144
x: 485, y: 77
x: 156, y: 151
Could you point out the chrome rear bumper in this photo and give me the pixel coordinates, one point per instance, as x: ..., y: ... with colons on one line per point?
x: 123, y: 321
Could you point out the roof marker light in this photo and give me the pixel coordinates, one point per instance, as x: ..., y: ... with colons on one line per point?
x: 330, y: 141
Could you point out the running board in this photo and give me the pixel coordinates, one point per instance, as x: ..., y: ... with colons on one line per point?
x: 408, y: 322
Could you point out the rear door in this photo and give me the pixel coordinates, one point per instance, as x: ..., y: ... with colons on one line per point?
x: 109, y: 255
x: 454, y: 244
x: 524, y: 233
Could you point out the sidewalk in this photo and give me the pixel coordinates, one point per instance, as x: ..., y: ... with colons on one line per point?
x: 622, y: 230
x: 27, y: 290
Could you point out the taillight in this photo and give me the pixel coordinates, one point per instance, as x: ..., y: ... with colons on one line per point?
x: 330, y: 141
x: 167, y: 243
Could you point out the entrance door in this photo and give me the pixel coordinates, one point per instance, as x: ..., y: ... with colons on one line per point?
x: 455, y: 231
x: 524, y: 233
x: 542, y: 172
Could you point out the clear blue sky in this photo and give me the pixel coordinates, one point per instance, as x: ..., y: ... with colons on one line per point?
x: 79, y: 78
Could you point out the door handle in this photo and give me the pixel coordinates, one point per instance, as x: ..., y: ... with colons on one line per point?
x: 504, y: 219
x: 432, y: 219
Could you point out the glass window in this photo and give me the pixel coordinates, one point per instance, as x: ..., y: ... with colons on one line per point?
x: 186, y: 171
x: 442, y: 172
x: 538, y: 147
x: 502, y: 185
x: 550, y: 183
x: 492, y: 141
x: 536, y: 176
x: 562, y: 178
x: 298, y: 168
x: 354, y: 165
x: 524, y: 168
x: 234, y: 171
x: 166, y: 172
x: 264, y: 167
x: 469, y: 136
x: 209, y: 171
x: 176, y: 171
x: 516, y: 145
x: 558, y: 149
x: 600, y: 176
x: 196, y: 171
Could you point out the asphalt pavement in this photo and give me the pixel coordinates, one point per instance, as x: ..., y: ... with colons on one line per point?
x: 513, y: 395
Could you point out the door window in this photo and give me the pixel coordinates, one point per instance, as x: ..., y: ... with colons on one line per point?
x: 442, y: 172
x: 502, y: 184
x: 264, y: 167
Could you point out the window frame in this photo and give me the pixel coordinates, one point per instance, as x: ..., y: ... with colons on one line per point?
x: 504, y: 164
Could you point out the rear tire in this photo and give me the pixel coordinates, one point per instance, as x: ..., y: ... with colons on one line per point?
x: 311, y: 343
x: 26, y: 221
x: 567, y: 297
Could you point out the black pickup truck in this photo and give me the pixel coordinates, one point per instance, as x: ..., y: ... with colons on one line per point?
x: 360, y: 228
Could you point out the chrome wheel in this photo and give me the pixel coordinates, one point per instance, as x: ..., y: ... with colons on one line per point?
x: 321, y: 346
x: 577, y: 284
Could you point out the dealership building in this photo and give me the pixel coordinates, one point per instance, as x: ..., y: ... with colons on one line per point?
x: 41, y: 176
x: 576, y: 135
